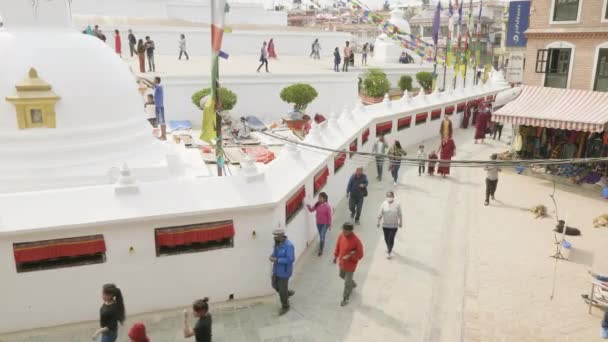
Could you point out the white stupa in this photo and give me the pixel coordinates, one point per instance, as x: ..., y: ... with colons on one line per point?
x: 387, y: 50
x: 70, y: 110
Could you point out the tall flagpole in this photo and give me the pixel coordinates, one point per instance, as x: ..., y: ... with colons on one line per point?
x: 436, y: 29
x: 458, y: 56
x: 467, y: 38
x: 217, y: 31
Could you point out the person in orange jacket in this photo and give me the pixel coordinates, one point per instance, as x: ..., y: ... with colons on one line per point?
x: 349, y: 251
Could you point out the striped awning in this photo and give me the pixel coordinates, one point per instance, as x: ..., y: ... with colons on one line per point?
x: 571, y: 109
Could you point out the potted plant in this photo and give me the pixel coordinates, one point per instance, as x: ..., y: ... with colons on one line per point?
x: 375, y: 86
x: 405, y: 83
x: 227, y: 98
x: 300, y: 95
x: 425, y: 79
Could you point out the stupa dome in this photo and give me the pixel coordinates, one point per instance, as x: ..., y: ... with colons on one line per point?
x: 398, y: 19
x: 97, y: 113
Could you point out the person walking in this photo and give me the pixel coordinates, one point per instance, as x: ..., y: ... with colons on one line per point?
x: 604, y: 330
x: 315, y: 51
x: 117, y: 43
x: 390, y: 218
x: 432, y: 162
x: 395, y: 153
x: 447, y: 150
x: 272, y: 53
x: 337, y: 59
x: 364, y: 54
x: 497, y: 130
x: 356, y: 191
x: 349, y: 250
x: 282, y: 258
x: 347, y: 55
x: 420, y: 155
x: 132, y: 42
x: 138, y: 333
x: 379, y: 148
x: 202, y: 328
x: 111, y: 313
x: 141, y: 55
x: 149, y: 45
x: 182, y: 47
x: 491, y: 179
x: 323, y: 217
x: 263, y: 57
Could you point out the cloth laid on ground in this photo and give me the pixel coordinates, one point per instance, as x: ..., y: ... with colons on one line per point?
x: 260, y: 154
x: 179, y: 125
x: 319, y: 118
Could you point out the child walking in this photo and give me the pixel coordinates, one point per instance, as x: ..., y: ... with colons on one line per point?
x: 432, y: 156
x: 420, y: 155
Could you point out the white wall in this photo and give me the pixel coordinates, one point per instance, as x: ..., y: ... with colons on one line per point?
x: 245, y: 13
x: 45, y: 298
x: 260, y: 96
x: 239, y: 42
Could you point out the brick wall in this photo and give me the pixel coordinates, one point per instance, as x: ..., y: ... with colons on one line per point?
x: 583, y: 60
x: 591, y: 15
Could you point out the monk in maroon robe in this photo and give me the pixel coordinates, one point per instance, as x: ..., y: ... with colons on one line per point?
x: 446, y: 152
x: 468, y: 109
x: 445, y: 130
x: 481, y: 124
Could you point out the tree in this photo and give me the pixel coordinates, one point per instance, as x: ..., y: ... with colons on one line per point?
x: 299, y: 94
x: 375, y: 83
x: 227, y: 98
x: 425, y: 79
x: 405, y: 83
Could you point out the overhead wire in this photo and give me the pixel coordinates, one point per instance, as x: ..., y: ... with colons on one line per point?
x: 371, y: 156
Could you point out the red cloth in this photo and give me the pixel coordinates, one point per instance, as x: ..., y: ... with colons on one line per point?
x: 260, y: 154
x: 404, y: 122
x: 339, y: 161
x: 196, y: 233
x: 446, y: 153
x: 51, y: 249
x: 117, y: 44
x: 466, y: 116
x: 344, y: 246
x: 365, y: 136
x: 142, y: 61
x: 138, y: 333
x: 481, y: 124
x: 294, y: 203
x: 320, y: 179
x: 319, y: 118
x: 271, y: 51
x: 384, y: 128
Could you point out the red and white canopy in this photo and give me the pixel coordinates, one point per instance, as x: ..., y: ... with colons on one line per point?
x: 571, y: 109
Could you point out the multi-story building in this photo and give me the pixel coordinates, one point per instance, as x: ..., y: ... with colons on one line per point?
x: 490, y: 21
x: 568, y: 44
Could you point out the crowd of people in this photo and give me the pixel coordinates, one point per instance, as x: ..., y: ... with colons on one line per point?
x: 142, y: 48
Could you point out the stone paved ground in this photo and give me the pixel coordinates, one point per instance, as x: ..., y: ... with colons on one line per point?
x: 461, y: 272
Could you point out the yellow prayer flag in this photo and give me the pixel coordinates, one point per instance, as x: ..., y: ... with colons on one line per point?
x: 208, y: 133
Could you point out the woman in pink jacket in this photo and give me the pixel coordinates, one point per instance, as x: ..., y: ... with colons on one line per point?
x: 323, y: 212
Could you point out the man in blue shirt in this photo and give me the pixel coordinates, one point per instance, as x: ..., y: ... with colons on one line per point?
x: 159, y: 103
x: 355, y: 192
x: 282, y: 258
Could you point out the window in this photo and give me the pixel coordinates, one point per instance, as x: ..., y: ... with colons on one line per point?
x: 320, y: 180
x: 352, y: 147
x: 194, y: 238
x: 460, y: 107
x: 294, y: 204
x: 59, y: 253
x: 444, y: 31
x: 448, y: 110
x: 36, y: 116
x: 601, y: 71
x: 541, y: 61
x: 404, y: 123
x: 557, y: 69
x: 565, y: 10
x: 427, y: 31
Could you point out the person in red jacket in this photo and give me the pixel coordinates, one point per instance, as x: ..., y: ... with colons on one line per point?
x: 349, y: 251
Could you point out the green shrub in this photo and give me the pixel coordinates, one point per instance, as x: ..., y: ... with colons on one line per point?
x: 227, y: 97
x: 375, y: 83
x: 405, y: 83
x: 425, y: 79
x: 299, y: 94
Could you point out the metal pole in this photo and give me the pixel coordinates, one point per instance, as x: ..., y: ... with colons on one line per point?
x: 445, y: 66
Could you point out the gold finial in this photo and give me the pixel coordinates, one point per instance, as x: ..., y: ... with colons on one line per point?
x: 33, y: 73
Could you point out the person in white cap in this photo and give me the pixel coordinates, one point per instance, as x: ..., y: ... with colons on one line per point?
x: 282, y: 257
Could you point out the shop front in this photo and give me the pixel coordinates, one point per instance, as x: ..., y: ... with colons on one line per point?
x: 551, y: 123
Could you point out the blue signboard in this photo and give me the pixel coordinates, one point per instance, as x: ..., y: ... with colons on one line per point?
x: 519, y: 19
